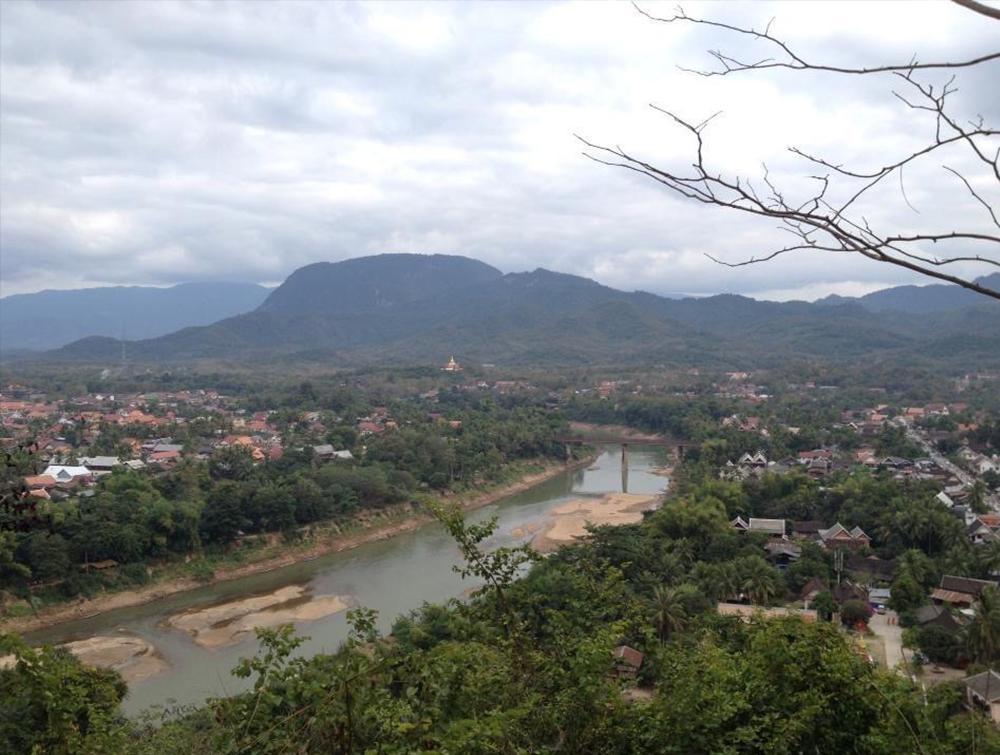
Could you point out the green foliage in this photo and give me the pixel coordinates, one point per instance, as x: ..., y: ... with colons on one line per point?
x: 53, y: 704
x: 938, y: 644
x: 855, y: 612
x: 982, y: 634
x: 824, y: 605
x: 907, y: 593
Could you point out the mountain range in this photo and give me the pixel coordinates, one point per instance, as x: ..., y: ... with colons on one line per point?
x: 49, y: 319
x: 406, y: 309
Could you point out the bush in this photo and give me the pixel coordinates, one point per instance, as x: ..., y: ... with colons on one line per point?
x: 202, y: 571
x: 136, y: 574
x: 939, y: 645
x: 855, y: 612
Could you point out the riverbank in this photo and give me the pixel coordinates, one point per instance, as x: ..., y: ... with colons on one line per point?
x: 331, y: 541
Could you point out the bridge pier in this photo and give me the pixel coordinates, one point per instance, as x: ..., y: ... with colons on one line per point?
x: 624, y: 467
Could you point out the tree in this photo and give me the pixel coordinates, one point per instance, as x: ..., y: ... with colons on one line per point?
x: 222, y: 519
x: 938, y: 644
x: 47, y: 556
x: 824, y: 605
x: 982, y: 633
x: 669, y: 614
x: 233, y: 462
x: 54, y: 704
x: 832, y: 216
x: 10, y: 569
x: 855, y: 612
x: 760, y: 581
x: 907, y: 593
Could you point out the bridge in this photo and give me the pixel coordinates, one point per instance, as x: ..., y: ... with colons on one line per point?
x: 621, y: 440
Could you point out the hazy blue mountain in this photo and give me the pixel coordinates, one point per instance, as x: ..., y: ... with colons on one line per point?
x: 938, y: 297
x: 48, y: 319
x: 396, y: 309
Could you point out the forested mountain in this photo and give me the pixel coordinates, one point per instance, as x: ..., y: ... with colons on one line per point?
x: 49, y: 319
x: 412, y: 308
x: 386, y: 281
x: 939, y: 297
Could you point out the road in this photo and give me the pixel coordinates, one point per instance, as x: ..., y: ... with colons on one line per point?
x: 891, y: 634
x: 992, y: 501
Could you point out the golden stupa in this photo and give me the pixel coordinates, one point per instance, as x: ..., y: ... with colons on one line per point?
x: 452, y: 366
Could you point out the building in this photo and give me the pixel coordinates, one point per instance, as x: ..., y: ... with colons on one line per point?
x: 838, y: 536
x: 878, y: 597
x: 627, y: 662
x: 936, y: 616
x: 959, y: 591
x: 100, y: 464
x: 452, y: 366
x: 982, y: 692
x: 769, y: 527
x: 326, y: 452
x: 63, y: 474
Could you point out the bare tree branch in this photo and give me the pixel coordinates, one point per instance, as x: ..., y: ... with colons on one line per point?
x: 981, y: 8
x: 818, y: 222
x: 794, y: 61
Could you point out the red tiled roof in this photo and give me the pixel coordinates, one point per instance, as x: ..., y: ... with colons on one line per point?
x: 40, y: 481
x: 950, y: 596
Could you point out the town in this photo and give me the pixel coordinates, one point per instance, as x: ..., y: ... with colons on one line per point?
x: 810, y: 476
x: 528, y: 378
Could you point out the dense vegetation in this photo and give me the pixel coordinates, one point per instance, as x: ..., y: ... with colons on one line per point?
x: 135, y: 519
x: 526, y: 666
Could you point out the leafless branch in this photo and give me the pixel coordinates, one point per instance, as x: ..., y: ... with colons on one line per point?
x: 817, y: 221
x: 981, y: 8
x: 795, y: 61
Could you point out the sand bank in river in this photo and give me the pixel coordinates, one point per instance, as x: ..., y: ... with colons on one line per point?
x: 130, y: 656
x: 569, y: 521
x: 228, y: 623
x: 329, y: 543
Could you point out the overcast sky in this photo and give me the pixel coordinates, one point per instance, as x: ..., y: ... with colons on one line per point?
x: 155, y: 143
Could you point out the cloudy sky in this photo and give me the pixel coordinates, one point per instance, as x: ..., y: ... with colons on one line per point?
x: 154, y: 142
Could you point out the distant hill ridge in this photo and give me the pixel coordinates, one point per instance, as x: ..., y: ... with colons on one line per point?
x: 406, y: 309
x: 49, y: 319
x: 920, y: 299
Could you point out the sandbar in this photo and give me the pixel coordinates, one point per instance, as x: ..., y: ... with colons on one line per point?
x: 569, y: 520
x: 228, y: 623
x: 132, y: 657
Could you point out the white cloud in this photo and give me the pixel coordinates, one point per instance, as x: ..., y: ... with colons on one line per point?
x: 163, y: 142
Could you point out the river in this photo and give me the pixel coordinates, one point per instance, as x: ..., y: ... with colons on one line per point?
x: 392, y: 576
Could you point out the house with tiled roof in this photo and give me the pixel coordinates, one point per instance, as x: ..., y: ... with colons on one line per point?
x: 769, y: 527
x: 959, y: 591
x: 938, y: 616
x: 982, y: 692
x: 838, y: 536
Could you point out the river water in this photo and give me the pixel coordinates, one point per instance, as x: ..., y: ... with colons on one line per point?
x: 392, y: 576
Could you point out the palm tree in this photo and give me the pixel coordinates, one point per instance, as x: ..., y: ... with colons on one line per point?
x: 759, y: 581
x: 729, y: 579
x: 669, y: 614
x: 705, y: 576
x: 988, y: 556
x: 982, y: 635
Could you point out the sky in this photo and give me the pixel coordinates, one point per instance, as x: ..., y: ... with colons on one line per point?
x: 155, y: 143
